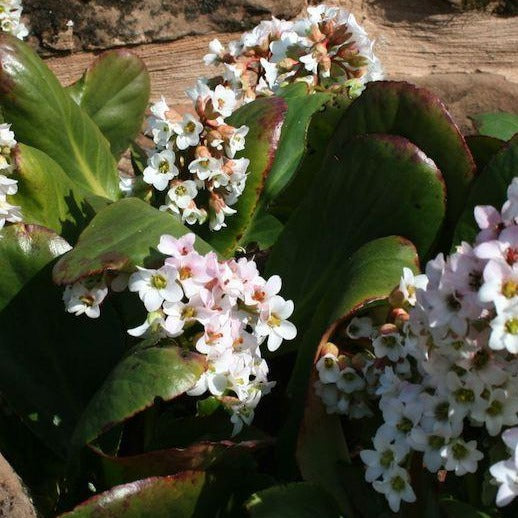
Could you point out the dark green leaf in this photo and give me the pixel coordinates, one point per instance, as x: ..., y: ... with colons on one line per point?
x: 198, y: 456
x: 264, y: 117
x: 376, y: 185
x: 368, y: 276
x: 322, y: 126
x: 292, y: 144
x: 264, y: 231
x: 114, y: 91
x: 51, y: 362
x: 44, y: 116
x: 490, y: 188
x: 49, y: 197
x: 120, y: 237
x: 296, y: 500
x: 499, y: 125
x: 159, y: 497
x: 483, y: 149
x: 418, y: 115
x: 455, y: 509
x: 164, y: 372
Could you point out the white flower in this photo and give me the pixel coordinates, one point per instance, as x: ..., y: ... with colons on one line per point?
x: 153, y: 325
x: 395, y: 485
x: 461, y: 457
x: 431, y: 444
x: 216, y: 51
x: 505, y: 473
x: 386, y: 455
x: 161, y: 169
x: 500, y: 284
x: 80, y: 299
x: 499, y: 409
x: 360, y: 327
x: 205, y: 167
x: 237, y: 141
x: 390, y: 345
x: 223, y: 100
x: 274, y: 324
x: 8, y: 212
x: 187, y: 132
x: 504, y: 330
x: 180, y: 195
x: 328, y: 369
x: 349, y: 381
x: 156, y: 286
x: 410, y: 283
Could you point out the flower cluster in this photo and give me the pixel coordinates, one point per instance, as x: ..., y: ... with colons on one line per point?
x: 194, y: 157
x: 327, y: 49
x: 222, y: 309
x: 441, y: 365
x: 8, y: 185
x: 10, y: 13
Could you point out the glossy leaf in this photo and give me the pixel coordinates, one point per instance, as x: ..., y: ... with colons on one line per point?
x: 164, y: 372
x: 120, y: 237
x: 455, y: 508
x: 499, y: 125
x: 366, y: 277
x: 296, y: 500
x: 264, y: 230
x: 490, y: 188
x: 292, y: 144
x: 375, y: 186
x: 114, y: 91
x: 198, y: 456
x: 322, y: 126
x: 402, y: 109
x: 51, y: 362
x: 265, y: 118
x: 483, y: 149
x: 44, y: 116
x: 48, y: 197
x: 158, y: 497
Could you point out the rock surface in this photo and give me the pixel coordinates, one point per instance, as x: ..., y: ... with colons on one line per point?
x: 427, y: 42
x: 100, y: 24
x: 14, y: 502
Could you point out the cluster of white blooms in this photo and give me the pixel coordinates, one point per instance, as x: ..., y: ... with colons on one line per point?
x: 327, y: 49
x: 222, y: 309
x: 10, y: 13
x: 505, y: 472
x: 194, y: 157
x: 444, y: 360
x: 8, y: 185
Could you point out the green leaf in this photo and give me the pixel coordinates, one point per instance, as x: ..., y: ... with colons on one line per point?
x: 292, y: 144
x: 264, y: 231
x: 165, y: 372
x: 490, y: 188
x: 120, y: 237
x: 264, y: 117
x: 158, y: 497
x: 483, y: 149
x: 198, y: 456
x: 322, y: 126
x: 51, y: 362
x: 114, y: 91
x: 376, y: 185
x: 455, y: 508
x: 418, y: 115
x: 48, y: 197
x: 296, y: 500
x: 368, y: 276
x: 44, y: 116
x: 499, y: 125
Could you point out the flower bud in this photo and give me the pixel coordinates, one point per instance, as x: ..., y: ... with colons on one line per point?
x: 388, y: 329
x: 329, y: 348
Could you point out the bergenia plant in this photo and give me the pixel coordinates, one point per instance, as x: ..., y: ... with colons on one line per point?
x: 239, y: 325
